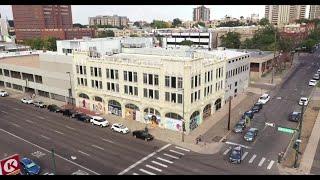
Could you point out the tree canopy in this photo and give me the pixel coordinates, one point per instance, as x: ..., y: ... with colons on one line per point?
x: 231, y: 40
x: 186, y: 43
x: 48, y: 43
x: 159, y: 24
x: 264, y: 22
x: 231, y: 24
x: 176, y: 22
x: 107, y: 33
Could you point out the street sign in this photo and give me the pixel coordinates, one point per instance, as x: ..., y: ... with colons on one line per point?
x: 270, y: 124
x: 10, y: 165
x: 286, y: 130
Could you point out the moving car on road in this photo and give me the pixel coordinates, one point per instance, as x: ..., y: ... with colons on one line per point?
x: 251, y: 134
x: 29, y: 167
x: 27, y: 100
x: 142, y: 134
x: 54, y: 108
x: 3, y: 93
x: 236, y: 154
x: 119, y: 128
x: 312, y: 82
x: 305, y: 99
x: 39, y: 104
x: 240, y: 126
x: 99, y: 121
x: 256, y: 108
x: 264, y: 98
x: 295, y: 116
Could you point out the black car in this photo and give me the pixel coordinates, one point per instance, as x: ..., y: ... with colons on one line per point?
x: 256, y: 108
x: 240, y: 126
x: 235, y: 155
x: 76, y: 114
x: 249, y: 114
x: 84, y: 118
x: 295, y: 116
x: 68, y: 112
x: 142, y: 134
x: 54, y: 108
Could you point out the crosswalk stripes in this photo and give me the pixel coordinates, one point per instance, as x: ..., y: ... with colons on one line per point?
x: 270, y: 164
x: 252, y: 158
x: 187, y: 150
x: 169, y: 155
x: 244, y: 156
x: 160, y: 164
x: 262, y: 161
x: 226, y: 151
x: 147, y: 172
x: 176, y: 152
x: 154, y: 168
x: 165, y: 160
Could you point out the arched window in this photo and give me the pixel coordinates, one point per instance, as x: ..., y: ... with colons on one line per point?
x: 173, y: 116
x: 82, y: 95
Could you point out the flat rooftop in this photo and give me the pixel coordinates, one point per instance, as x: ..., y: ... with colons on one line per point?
x: 31, y: 61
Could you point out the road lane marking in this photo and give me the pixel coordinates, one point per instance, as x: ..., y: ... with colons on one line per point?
x: 154, y: 168
x: 45, y: 137
x: 165, y: 160
x: 226, y: 151
x: 70, y: 128
x: 135, y: 174
x: 176, y: 152
x: 262, y: 161
x: 31, y: 122
x: 83, y: 153
x: 49, y: 152
x: 4, y: 112
x: 253, y: 157
x: 236, y: 144
x: 143, y: 159
x: 182, y: 148
x: 14, y: 124
x: 160, y: 164
x: 270, y: 164
x: 244, y: 155
x: 17, y: 109
x: 147, y: 172
x: 169, y: 155
x: 41, y: 117
x: 58, y: 132
x: 107, y: 140
x: 98, y: 147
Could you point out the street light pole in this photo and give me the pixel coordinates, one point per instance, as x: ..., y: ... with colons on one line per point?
x: 299, y: 136
x: 70, y: 94
x: 229, y: 115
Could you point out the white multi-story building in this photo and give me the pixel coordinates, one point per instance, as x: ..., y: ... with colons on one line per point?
x: 284, y: 14
x: 157, y: 85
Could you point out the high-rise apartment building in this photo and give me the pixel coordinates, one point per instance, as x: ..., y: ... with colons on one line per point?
x: 314, y: 12
x: 201, y: 13
x: 284, y: 14
x: 114, y: 20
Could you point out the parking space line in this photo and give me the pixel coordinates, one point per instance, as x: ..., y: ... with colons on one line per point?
x: 154, y: 168
x: 14, y: 124
x: 70, y: 127
x: 160, y: 164
x: 31, y: 122
x: 226, y: 151
x: 252, y: 158
x: 270, y: 164
x: 58, y: 132
x: 17, y: 109
x: 41, y: 117
x: 176, y: 152
x: 135, y: 174
x: 147, y: 172
x: 4, y: 112
x: 236, y: 144
x: 45, y: 137
x: 182, y: 148
x: 83, y: 153
x: 165, y: 160
x: 262, y: 161
x: 98, y: 147
x: 169, y: 155
x: 107, y: 140
x: 244, y: 155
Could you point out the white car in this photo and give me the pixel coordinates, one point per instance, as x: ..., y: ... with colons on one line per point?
x: 27, y: 100
x: 318, y: 71
x: 119, y: 128
x: 312, y: 82
x: 3, y: 93
x: 264, y: 99
x: 99, y: 121
x: 305, y: 99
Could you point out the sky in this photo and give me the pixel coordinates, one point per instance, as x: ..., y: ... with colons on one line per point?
x: 147, y: 13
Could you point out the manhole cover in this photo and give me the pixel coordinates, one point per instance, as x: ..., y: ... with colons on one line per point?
x: 216, y: 139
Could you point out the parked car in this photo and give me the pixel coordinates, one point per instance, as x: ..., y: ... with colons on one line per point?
x: 295, y: 116
x: 99, y: 121
x: 3, y: 93
x: 39, y: 104
x: 54, y: 108
x: 312, y: 82
x: 251, y: 134
x: 316, y: 76
x: 68, y: 112
x: 142, y: 134
x: 84, y: 118
x: 240, y: 126
x: 318, y: 72
x: 76, y: 114
x: 119, y: 128
x: 27, y: 100
x: 264, y: 99
x: 256, y: 108
x: 236, y: 154
x: 305, y: 99
x: 29, y: 167
x: 250, y: 114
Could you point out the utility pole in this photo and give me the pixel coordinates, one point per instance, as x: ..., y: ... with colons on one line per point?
x: 274, y: 53
x: 229, y: 115
x: 53, y: 161
x: 70, y: 93
x: 299, y: 136
x: 183, y: 122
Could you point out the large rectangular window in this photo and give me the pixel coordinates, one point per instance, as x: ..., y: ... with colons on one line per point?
x: 167, y: 96
x: 145, y: 78
x: 135, y: 76
x: 150, y: 79
x: 180, y: 80
x: 125, y: 75
x: 180, y: 98
x: 156, y: 94
x: 130, y: 76
x: 38, y: 79
x: 167, y: 81
x: 145, y: 92
x: 136, y: 91
x: 156, y: 80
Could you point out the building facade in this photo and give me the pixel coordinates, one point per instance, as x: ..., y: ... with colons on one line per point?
x: 152, y: 85
x: 115, y: 20
x: 284, y: 14
x: 201, y: 13
x: 314, y: 12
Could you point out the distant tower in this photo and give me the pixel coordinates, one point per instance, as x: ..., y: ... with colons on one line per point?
x: 201, y: 13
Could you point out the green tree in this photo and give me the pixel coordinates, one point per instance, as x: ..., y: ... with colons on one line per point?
x: 78, y: 25
x: 107, y: 33
x: 186, y: 43
x: 137, y: 24
x: 302, y: 20
x: 231, y: 24
x: 159, y: 24
x: 264, y: 22
x: 176, y: 22
x: 201, y: 24
x: 134, y: 35
x: 50, y: 43
x: 231, y: 40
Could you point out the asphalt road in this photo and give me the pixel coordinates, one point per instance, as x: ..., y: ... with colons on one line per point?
x: 315, y: 169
